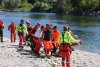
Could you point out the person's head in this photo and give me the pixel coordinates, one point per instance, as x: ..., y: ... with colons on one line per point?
x: 42, y: 28
x: 38, y: 24
x: 36, y: 27
x: 64, y: 28
x: 68, y: 27
x: 49, y: 28
x: 55, y: 28
x: 28, y: 23
x: 21, y: 22
x: 12, y: 23
x: 47, y: 25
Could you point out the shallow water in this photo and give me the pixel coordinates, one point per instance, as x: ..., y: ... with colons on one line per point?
x: 86, y: 27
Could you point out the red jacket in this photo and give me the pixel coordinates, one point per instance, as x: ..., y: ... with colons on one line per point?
x: 30, y: 29
x: 1, y: 24
x: 12, y: 28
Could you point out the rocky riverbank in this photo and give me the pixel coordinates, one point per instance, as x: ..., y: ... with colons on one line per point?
x: 12, y: 56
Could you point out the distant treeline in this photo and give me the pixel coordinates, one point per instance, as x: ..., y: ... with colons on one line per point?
x: 57, y: 6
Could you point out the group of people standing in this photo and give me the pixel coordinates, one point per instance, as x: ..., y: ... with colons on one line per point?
x: 38, y: 35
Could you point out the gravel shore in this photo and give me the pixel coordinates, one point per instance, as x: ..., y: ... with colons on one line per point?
x: 12, y: 56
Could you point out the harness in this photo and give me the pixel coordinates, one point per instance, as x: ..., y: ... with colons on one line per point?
x: 65, y: 44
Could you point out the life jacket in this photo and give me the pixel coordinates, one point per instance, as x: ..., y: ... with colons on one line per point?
x: 66, y: 38
x: 21, y: 29
x: 55, y: 35
x: 1, y: 24
x: 65, y: 45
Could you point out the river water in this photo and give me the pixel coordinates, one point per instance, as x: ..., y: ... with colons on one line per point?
x: 86, y: 27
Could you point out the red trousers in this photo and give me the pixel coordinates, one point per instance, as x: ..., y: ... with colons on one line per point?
x: 12, y: 37
x: 21, y: 38
x: 38, y: 45
x: 65, y: 51
x: 48, y: 46
x: 65, y: 59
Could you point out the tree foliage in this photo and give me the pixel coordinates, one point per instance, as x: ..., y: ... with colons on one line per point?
x: 41, y: 5
x: 11, y: 4
x: 60, y: 6
x: 63, y: 6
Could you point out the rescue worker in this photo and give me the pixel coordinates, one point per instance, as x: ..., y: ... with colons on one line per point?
x: 33, y: 44
x: 47, y: 40
x: 29, y: 28
x: 55, y: 39
x: 37, y: 39
x: 12, y: 28
x: 66, y: 40
x: 68, y: 29
x: 1, y: 30
x: 21, y: 29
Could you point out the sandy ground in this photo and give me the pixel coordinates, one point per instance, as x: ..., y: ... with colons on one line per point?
x: 12, y: 56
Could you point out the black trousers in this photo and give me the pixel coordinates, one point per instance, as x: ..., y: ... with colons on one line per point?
x: 1, y: 35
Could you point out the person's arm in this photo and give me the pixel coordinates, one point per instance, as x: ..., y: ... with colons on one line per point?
x: 25, y: 30
x: 71, y: 39
x: 60, y: 38
x: 42, y: 36
x: 17, y: 27
x: 3, y: 25
x: 9, y: 27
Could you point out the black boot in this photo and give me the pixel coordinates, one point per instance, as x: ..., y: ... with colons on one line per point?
x: 1, y: 39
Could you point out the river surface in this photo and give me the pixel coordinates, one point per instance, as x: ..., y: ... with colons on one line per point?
x: 86, y: 27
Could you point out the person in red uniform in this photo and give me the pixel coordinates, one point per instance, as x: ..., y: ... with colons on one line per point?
x: 1, y: 30
x: 29, y: 29
x: 33, y: 44
x: 65, y: 48
x: 12, y: 28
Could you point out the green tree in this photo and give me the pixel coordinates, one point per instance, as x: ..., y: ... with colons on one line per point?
x: 88, y: 5
x: 63, y: 6
x: 41, y: 6
x: 31, y: 1
x: 11, y: 4
x: 25, y: 6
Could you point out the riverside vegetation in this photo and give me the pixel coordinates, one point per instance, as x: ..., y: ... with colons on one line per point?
x: 57, y: 6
